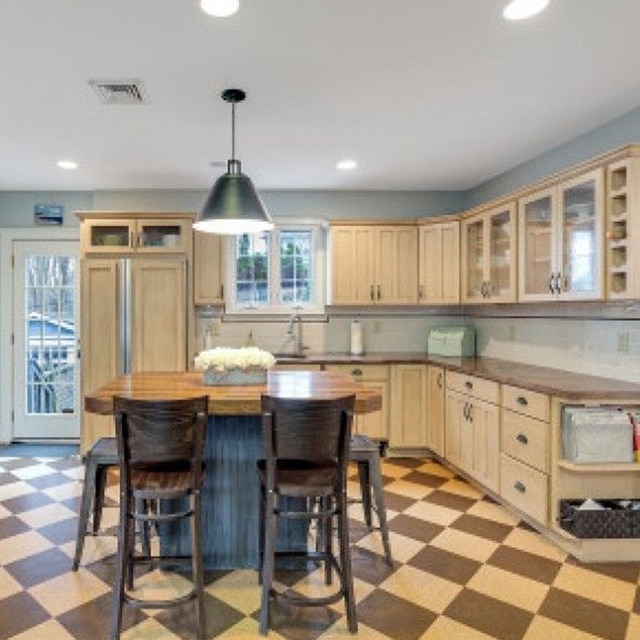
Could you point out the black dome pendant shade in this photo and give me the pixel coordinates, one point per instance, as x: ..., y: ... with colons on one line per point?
x: 233, y: 206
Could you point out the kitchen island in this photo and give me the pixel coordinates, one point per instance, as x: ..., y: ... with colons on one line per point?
x: 234, y: 442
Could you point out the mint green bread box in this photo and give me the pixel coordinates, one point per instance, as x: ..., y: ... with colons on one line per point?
x: 452, y: 341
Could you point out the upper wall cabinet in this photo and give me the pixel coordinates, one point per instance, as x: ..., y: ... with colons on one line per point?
x: 623, y: 229
x: 439, y: 263
x: 488, y: 256
x: 561, y: 241
x: 110, y: 233
x: 208, y: 285
x: 374, y: 264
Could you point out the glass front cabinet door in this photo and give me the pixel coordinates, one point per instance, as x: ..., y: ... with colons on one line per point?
x: 489, y: 272
x: 561, y: 241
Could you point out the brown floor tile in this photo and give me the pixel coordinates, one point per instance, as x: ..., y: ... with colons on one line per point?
x: 299, y: 623
x: 493, y: 617
x: 27, y: 502
x: 19, y: 612
x: 37, y: 568
x: 482, y: 527
x: 397, y: 618
x: 368, y: 566
x: 444, y: 564
x: 415, y: 528
x: 409, y: 463
x: 12, y: 526
x: 60, y: 532
x: 48, y: 481
x: 396, y: 502
x: 449, y: 500
x: 625, y: 571
x: 525, y: 564
x: 427, y: 479
x: 587, y: 615
x: 636, y: 602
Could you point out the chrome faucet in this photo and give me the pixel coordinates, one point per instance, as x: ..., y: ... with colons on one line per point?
x: 296, y: 319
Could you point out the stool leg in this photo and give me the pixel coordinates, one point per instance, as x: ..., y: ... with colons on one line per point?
x: 85, y: 506
x: 122, y: 565
x: 267, y: 566
x: 327, y: 534
x: 98, y: 495
x: 378, y: 494
x: 364, y: 477
x: 196, y: 564
x: 346, y: 577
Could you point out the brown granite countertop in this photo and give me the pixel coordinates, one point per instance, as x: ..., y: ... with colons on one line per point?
x: 572, y: 386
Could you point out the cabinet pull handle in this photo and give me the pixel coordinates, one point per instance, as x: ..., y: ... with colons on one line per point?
x: 521, y: 400
x: 221, y: 292
x: 470, y: 412
x: 439, y: 380
x: 379, y: 292
x: 421, y: 292
x: 551, y: 283
x: 357, y: 373
x: 468, y: 384
x: 372, y: 293
x: 465, y: 411
x: 522, y: 438
x: 519, y: 486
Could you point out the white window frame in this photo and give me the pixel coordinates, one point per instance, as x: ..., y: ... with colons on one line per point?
x: 315, y: 306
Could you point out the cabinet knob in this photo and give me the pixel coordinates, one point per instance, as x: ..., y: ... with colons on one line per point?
x: 379, y: 292
x: 372, y: 293
x: 521, y: 400
x: 519, y: 486
x: 357, y: 373
x: 522, y: 439
x: 468, y: 384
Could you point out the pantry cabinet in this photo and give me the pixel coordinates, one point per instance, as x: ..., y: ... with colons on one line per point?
x: 208, y: 287
x: 374, y: 265
x: 439, y: 263
x: 561, y: 241
x: 488, y: 255
x: 435, y: 409
x: 408, y: 417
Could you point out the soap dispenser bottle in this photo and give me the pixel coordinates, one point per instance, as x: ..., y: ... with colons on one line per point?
x: 357, y: 346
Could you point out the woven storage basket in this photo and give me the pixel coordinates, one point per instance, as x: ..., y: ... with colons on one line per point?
x: 610, y: 522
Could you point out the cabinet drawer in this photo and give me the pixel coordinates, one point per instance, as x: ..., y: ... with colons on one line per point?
x: 524, y: 401
x: 525, y: 439
x: 524, y: 487
x: 486, y: 390
x: 361, y: 372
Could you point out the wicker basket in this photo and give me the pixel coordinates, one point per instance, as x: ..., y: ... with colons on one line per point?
x: 614, y: 521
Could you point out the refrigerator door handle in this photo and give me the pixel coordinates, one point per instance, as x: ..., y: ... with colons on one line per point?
x: 124, y: 315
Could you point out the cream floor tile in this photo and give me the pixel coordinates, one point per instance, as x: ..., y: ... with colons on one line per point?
x: 425, y: 589
x: 4, y: 513
x: 22, y: 545
x: 48, y: 514
x: 436, y: 469
x: 15, y: 490
x: 340, y: 632
x: 244, y: 630
x: 542, y: 628
x: 461, y: 488
x: 408, y: 489
x: 65, y: 491
x: 67, y: 591
x: 33, y: 471
x: 150, y: 629
x: 465, y: 544
x: 8, y: 586
x: 402, y: 547
x: 492, y: 511
x: 96, y: 548
x: 238, y: 589
x: 75, y: 473
x: 161, y: 585
x: 391, y: 470
x: 633, y: 630
x: 509, y: 587
x: 588, y: 584
x: 49, y: 630
x: 433, y: 513
x: 532, y: 542
x: 446, y: 629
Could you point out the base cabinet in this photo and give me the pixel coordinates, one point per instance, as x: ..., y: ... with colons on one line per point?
x: 435, y: 409
x: 408, y: 424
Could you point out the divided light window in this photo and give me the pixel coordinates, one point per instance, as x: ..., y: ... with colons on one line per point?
x: 277, y: 271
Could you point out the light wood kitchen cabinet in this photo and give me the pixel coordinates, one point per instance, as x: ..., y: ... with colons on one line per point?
x: 374, y: 264
x: 561, y: 241
x: 112, y: 233
x: 435, y: 409
x: 473, y: 427
x: 375, y: 376
x: 408, y: 417
x: 208, y: 287
x: 439, y: 263
x: 488, y: 255
x: 623, y: 230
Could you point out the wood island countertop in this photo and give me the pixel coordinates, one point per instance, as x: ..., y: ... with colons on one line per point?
x: 231, y: 400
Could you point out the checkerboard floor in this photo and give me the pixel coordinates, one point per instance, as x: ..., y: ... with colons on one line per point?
x: 464, y: 568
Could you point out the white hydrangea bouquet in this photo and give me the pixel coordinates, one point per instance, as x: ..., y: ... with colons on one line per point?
x: 229, y: 366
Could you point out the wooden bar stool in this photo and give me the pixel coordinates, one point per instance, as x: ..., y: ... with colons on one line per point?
x: 366, y: 454
x: 306, y: 445
x: 160, y: 449
x: 102, y: 455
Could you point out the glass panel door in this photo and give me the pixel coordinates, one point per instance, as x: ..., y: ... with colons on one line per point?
x: 500, y: 239
x: 536, y: 248
x: 46, y: 398
x: 475, y: 258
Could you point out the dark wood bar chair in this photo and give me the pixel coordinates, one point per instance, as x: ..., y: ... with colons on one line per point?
x: 365, y: 452
x: 102, y: 456
x: 160, y: 448
x: 306, y: 445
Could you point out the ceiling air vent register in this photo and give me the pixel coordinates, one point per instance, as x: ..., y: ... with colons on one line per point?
x: 119, y: 91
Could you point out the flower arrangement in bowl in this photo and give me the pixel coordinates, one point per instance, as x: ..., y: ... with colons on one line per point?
x: 229, y: 366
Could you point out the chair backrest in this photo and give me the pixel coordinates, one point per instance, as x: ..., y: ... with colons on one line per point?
x: 161, y: 432
x: 307, y: 429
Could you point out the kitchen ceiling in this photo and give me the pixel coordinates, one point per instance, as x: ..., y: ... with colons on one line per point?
x: 424, y: 94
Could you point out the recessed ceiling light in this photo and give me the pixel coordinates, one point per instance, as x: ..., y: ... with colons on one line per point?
x: 67, y: 164
x: 220, y: 8
x: 521, y: 9
x: 346, y: 165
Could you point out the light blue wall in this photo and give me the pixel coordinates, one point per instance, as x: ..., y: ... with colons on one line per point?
x: 616, y: 133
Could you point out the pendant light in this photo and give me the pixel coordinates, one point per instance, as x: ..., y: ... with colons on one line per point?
x: 233, y: 206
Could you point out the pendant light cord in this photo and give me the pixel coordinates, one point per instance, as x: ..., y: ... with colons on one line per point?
x: 233, y: 130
